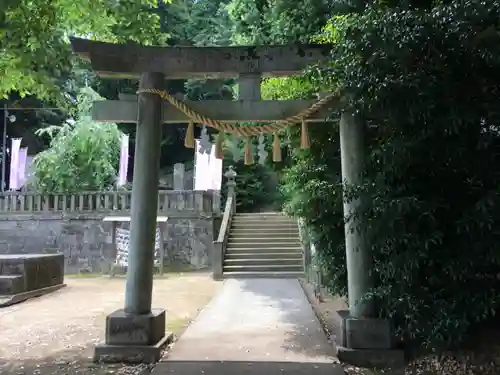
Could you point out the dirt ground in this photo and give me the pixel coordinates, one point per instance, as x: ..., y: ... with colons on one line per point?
x: 55, y: 334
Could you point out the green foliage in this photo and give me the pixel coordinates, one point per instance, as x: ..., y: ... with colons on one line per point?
x: 34, y: 37
x: 433, y: 225
x: 256, y: 184
x: 427, y: 81
x: 277, y: 21
x: 83, y: 156
x: 198, y: 22
x: 252, y: 187
x: 287, y: 88
x: 312, y: 189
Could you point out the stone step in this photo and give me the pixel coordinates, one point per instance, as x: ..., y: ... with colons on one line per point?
x: 267, y: 235
x: 264, y: 221
x: 263, y: 255
x: 11, y: 268
x: 265, y: 230
x: 264, y: 268
x: 263, y: 262
x: 257, y: 225
x: 263, y: 275
x: 11, y: 284
x: 275, y: 232
x: 270, y: 215
x: 269, y: 249
x: 267, y: 218
x: 262, y: 245
x: 263, y: 213
x: 234, y: 240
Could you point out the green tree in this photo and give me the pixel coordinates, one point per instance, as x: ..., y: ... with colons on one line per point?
x: 277, y: 21
x: 35, y: 53
x: 82, y: 156
x: 425, y: 77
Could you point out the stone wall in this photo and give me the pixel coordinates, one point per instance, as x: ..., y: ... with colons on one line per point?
x: 86, y: 240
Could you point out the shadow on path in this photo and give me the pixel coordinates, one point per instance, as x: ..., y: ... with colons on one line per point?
x: 304, y: 334
x: 255, y: 320
x: 247, y: 368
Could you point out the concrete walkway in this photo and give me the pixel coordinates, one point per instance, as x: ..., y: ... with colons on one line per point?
x: 252, y: 326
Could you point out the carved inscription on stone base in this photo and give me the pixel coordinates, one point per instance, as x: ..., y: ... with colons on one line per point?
x: 127, y: 329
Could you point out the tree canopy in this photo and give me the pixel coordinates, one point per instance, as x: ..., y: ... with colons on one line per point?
x: 35, y: 56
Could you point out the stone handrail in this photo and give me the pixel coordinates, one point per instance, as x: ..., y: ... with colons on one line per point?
x: 107, y: 201
x: 313, y: 272
x: 219, y: 247
x: 305, y: 242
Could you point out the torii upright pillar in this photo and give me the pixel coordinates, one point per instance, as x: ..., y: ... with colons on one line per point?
x: 363, y: 339
x: 137, y: 332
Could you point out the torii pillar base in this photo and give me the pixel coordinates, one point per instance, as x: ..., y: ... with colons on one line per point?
x: 367, y: 342
x: 133, y: 338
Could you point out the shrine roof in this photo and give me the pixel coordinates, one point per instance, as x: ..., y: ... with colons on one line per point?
x: 130, y: 60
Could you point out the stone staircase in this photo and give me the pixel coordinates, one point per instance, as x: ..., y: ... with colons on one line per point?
x: 263, y: 245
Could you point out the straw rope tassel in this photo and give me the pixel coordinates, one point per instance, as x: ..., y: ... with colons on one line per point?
x: 250, y: 131
x: 248, y: 151
x: 304, y: 136
x: 276, y: 148
x: 219, y: 152
x: 189, y: 140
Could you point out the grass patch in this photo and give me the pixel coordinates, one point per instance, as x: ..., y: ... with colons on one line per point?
x: 170, y: 270
x: 177, y: 325
x: 178, y: 268
x: 83, y: 275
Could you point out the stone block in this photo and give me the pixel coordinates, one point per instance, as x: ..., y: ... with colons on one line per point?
x: 367, y: 342
x: 131, y: 353
x: 393, y: 359
x: 11, y: 284
x: 133, y: 338
x: 340, y: 333
x: 39, y: 271
x: 179, y: 176
x: 364, y: 333
x: 139, y: 330
x: 369, y: 333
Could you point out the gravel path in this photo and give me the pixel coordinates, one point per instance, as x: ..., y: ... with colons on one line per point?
x: 55, y: 334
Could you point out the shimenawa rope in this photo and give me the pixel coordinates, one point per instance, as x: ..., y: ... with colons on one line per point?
x: 245, y: 131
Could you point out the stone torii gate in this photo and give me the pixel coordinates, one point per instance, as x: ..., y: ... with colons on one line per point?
x: 137, y: 332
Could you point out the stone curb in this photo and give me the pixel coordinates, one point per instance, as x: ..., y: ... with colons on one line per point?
x: 328, y: 329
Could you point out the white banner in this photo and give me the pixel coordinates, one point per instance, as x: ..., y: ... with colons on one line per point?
x: 14, y: 164
x: 207, y: 170
x: 215, y: 166
x: 123, y: 166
